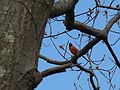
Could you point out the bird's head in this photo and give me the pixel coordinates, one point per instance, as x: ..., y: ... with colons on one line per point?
x: 70, y: 44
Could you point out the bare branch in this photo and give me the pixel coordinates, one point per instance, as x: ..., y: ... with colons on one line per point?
x: 106, y: 31
x: 112, y: 52
x: 109, y: 7
x: 56, y: 34
x: 86, y: 49
x: 61, y: 7
x: 56, y: 62
x: 69, y: 18
x: 93, y: 84
x: 75, y: 86
x: 57, y: 69
x: 110, y: 23
x: 111, y: 2
x: 85, y: 12
x: 84, y: 69
x: 86, y: 29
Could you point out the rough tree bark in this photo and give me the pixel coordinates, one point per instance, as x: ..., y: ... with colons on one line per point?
x: 20, y: 41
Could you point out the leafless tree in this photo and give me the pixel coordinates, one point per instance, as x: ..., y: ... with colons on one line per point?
x: 22, y: 29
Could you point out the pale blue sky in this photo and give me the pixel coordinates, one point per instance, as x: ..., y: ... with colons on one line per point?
x: 65, y: 81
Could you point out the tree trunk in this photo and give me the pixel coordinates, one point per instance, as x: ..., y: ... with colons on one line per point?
x: 22, y: 25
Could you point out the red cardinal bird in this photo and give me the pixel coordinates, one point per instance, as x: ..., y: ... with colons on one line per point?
x: 73, y: 49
